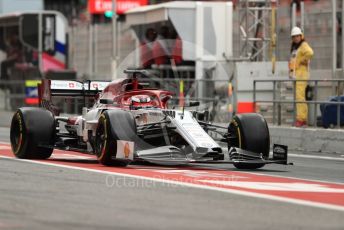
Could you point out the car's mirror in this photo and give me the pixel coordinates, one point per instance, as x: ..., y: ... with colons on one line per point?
x: 193, y: 103
x: 106, y: 101
x: 97, y: 96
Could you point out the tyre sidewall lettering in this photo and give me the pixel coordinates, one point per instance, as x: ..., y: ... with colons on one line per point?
x: 21, y: 133
x: 104, y: 148
x: 237, y: 129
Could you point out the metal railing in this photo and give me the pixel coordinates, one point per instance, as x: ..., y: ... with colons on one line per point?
x: 334, y: 84
x: 212, y: 94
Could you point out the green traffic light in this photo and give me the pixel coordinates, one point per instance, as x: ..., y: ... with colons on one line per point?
x: 108, y: 14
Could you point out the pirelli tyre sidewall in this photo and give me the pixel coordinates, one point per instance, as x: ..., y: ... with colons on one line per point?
x: 32, y: 133
x: 252, y: 134
x: 113, y: 125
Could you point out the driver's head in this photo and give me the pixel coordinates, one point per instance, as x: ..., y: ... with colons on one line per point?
x: 141, y: 101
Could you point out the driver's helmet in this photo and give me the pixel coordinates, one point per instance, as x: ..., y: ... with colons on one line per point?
x: 142, y: 101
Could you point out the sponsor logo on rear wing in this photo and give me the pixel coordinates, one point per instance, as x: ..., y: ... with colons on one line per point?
x: 65, y: 85
x: 76, y: 85
x: 97, y: 85
x: 66, y: 88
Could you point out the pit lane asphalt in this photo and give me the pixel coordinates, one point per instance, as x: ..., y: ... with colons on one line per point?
x: 36, y: 196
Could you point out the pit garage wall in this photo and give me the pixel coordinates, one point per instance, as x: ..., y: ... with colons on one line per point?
x: 206, y: 31
x: 207, y: 39
x: 208, y: 27
x: 246, y: 73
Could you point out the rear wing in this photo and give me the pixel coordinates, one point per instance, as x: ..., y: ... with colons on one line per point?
x: 67, y: 88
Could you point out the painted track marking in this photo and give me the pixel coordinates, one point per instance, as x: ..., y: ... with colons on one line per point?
x: 328, y: 195
x: 316, y: 157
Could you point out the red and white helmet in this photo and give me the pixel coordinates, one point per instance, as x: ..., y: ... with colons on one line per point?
x: 141, y: 101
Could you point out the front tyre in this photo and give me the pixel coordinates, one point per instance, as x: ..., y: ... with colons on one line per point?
x: 113, y: 125
x: 250, y: 132
x: 32, y: 133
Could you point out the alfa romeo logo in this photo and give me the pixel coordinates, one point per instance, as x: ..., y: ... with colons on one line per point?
x: 126, y: 150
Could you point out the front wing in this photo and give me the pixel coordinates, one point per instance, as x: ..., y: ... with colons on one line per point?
x: 164, y: 156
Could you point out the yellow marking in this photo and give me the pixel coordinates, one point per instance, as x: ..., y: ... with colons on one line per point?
x: 18, y: 147
x: 105, y: 136
x: 230, y: 108
x: 181, y: 86
x: 32, y: 83
x: 239, y: 133
x: 230, y: 89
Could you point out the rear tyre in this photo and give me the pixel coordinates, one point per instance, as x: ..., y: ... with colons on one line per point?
x: 32, y: 133
x: 113, y: 125
x: 250, y: 132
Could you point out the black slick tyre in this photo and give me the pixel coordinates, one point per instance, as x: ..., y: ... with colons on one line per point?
x: 113, y: 125
x: 250, y: 132
x: 32, y: 133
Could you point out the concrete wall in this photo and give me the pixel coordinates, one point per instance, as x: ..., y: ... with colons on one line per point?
x: 311, y: 139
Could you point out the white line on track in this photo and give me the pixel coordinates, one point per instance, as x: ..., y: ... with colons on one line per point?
x: 231, y: 191
x: 316, y: 157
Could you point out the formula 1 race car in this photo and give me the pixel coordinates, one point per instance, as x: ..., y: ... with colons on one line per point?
x: 131, y: 122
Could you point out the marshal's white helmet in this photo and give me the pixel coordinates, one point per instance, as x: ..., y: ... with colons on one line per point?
x: 296, y: 31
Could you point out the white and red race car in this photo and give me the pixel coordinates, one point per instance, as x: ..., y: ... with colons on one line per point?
x: 130, y: 122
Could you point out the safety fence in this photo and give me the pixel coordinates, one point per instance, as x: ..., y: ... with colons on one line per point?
x: 324, y: 99
x: 214, y: 96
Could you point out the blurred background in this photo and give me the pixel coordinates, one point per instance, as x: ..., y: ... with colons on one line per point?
x: 230, y: 55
